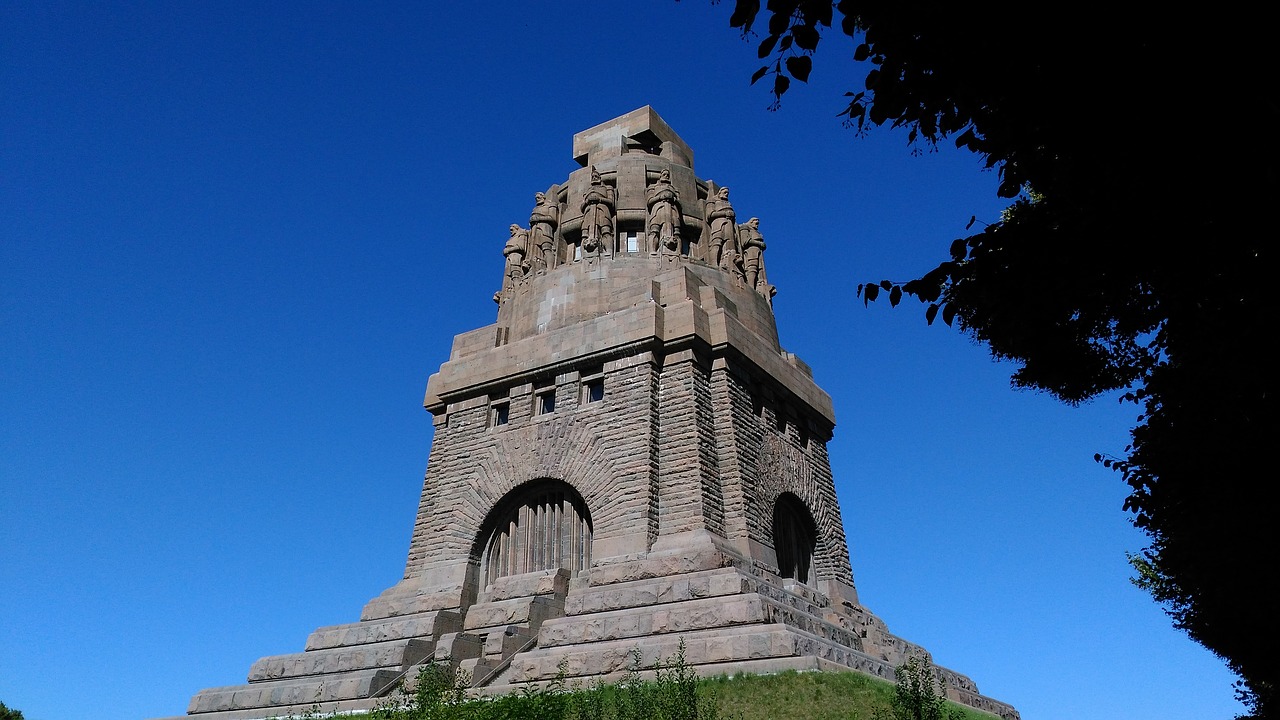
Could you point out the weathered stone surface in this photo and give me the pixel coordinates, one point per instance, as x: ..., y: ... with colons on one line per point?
x: 519, y: 611
x: 359, y: 684
x: 397, y: 654
x: 428, y: 625
x: 542, y: 582
x: 625, y: 461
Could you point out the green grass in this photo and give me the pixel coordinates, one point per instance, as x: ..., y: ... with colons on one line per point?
x: 795, y: 695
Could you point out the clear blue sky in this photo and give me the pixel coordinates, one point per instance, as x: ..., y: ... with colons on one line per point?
x: 236, y: 238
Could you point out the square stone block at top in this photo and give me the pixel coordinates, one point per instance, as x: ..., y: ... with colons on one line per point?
x: 607, y: 139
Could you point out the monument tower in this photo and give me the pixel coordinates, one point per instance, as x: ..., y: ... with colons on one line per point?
x: 627, y: 459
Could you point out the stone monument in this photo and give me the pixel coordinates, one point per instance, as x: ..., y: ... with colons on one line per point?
x: 627, y: 459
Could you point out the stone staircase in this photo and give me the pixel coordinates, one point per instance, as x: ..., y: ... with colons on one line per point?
x: 344, y: 667
x: 534, y: 628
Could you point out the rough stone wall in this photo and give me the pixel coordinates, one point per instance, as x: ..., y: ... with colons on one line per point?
x: 604, y: 450
x: 690, y: 495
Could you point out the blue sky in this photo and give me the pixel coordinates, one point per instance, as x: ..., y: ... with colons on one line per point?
x: 236, y: 238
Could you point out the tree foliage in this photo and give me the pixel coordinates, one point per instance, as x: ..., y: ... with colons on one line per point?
x: 1138, y: 149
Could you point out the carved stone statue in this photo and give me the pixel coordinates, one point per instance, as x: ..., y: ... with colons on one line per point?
x: 515, y: 250
x: 597, y: 216
x: 542, y: 232
x: 663, y: 201
x: 722, y: 224
x: 752, y: 253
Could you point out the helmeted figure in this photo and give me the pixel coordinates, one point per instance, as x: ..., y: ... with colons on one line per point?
x: 752, y: 254
x: 722, y: 226
x: 597, y: 216
x: 516, y: 249
x: 543, y: 222
x: 663, y: 201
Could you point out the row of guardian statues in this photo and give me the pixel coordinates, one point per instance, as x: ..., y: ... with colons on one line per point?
x: 723, y: 242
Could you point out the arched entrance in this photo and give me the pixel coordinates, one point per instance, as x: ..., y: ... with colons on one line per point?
x: 795, y: 539
x: 541, y: 525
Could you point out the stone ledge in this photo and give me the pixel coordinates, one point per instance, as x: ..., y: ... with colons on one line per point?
x: 527, y: 610
x: 430, y: 624
x: 276, y: 694
x: 396, y: 654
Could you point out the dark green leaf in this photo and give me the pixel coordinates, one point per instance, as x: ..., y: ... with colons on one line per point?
x: 948, y: 313
x: 780, y: 84
x: 870, y: 293
x: 744, y: 14
x: 786, y: 43
x: 779, y: 22
x: 886, y: 284
x: 861, y: 52
x: 799, y: 67
x: 895, y: 296
x: 958, y: 247
x: 759, y: 74
x: 766, y: 46
x: 806, y: 37
x: 931, y: 313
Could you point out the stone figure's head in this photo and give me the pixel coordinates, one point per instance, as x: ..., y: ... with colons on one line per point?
x: 595, y: 176
x: 665, y: 175
x: 515, y: 229
x: 723, y: 193
x: 753, y: 223
x: 540, y: 198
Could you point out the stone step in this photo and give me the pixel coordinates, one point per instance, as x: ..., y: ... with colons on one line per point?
x: 530, y: 611
x: 431, y: 624
x: 453, y: 648
x: 702, y: 647
x: 652, y: 591
x: 505, y: 642
x: 305, y: 691
x: 691, y: 615
x: 719, y: 582
x: 396, y: 654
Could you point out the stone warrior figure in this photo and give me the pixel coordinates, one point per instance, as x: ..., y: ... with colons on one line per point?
x: 597, y: 216
x: 753, y: 254
x: 663, y: 201
x: 723, y: 231
x: 516, y: 249
x: 542, y: 232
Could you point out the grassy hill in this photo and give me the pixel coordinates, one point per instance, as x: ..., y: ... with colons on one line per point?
x: 678, y: 694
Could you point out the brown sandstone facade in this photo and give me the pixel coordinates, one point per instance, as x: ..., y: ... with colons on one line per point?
x: 626, y: 459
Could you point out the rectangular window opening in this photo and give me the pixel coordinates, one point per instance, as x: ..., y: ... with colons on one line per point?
x: 593, y: 390
x: 500, y: 414
x: 546, y: 402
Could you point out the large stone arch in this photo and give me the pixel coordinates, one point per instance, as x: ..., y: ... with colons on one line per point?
x: 785, y: 470
x: 543, y: 524
x: 795, y: 539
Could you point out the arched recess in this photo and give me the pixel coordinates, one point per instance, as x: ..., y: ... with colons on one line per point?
x: 795, y: 539
x: 540, y: 525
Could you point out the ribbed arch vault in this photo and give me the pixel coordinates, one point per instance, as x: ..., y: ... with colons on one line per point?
x: 540, y: 525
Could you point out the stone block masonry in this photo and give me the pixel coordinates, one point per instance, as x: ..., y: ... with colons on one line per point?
x: 626, y: 460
